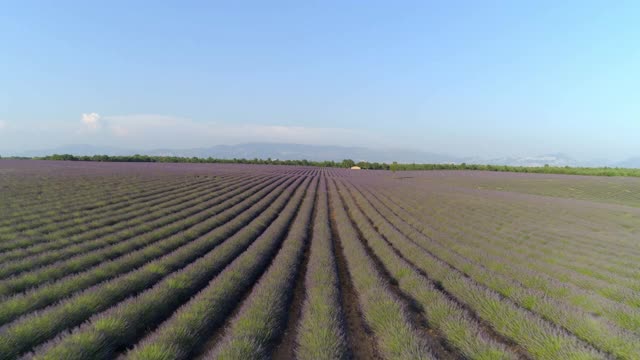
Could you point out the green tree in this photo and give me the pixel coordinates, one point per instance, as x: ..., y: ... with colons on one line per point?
x: 394, y: 167
x: 347, y: 163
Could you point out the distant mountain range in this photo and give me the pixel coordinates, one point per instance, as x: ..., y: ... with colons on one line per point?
x: 335, y: 153
x: 541, y: 160
x: 309, y: 152
x: 263, y: 151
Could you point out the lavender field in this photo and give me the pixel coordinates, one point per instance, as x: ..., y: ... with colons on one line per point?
x: 224, y: 261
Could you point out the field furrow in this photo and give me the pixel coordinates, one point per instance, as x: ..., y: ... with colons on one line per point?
x: 48, y: 227
x: 109, y: 333
x: 547, y: 243
x: 540, y: 339
x: 185, y: 333
x: 31, y: 330
x: 134, y: 220
x: 87, y: 253
x: 395, y: 336
x: 64, y: 206
x: 37, y: 298
x: 511, y: 267
x: 321, y: 333
x: 601, y: 334
x: 453, y: 323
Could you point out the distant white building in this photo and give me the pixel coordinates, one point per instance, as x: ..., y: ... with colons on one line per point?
x: 355, y: 168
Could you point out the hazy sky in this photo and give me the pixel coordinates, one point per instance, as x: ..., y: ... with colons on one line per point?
x: 474, y: 78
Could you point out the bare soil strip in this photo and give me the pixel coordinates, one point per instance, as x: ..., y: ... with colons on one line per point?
x: 437, y: 343
x: 359, y: 337
x: 484, y: 325
x: 436, y: 283
x: 285, y: 348
x: 218, y: 334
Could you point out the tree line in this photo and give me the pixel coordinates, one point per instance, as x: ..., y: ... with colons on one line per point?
x: 347, y: 163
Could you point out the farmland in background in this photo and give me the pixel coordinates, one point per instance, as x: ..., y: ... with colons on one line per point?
x: 228, y: 261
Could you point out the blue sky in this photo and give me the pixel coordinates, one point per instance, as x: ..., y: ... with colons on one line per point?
x: 471, y: 78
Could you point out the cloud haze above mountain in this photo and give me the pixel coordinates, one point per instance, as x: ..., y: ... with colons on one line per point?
x: 156, y: 131
x: 511, y: 79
